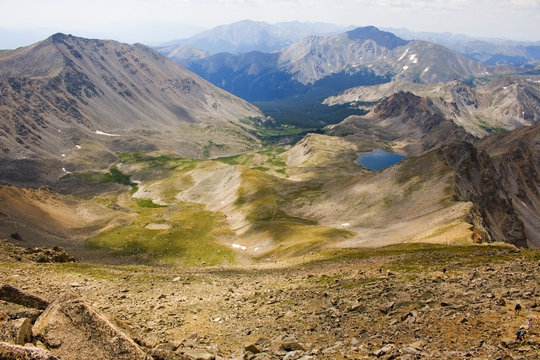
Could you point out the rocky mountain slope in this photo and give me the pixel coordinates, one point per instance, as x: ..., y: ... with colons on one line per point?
x: 498, y: 175
x: 74, y: 102
x: 407, y: 123
x: 408, y: 302
x: 501, y: 104
x: 314, y: 58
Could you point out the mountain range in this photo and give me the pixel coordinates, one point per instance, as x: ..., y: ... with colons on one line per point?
x: 246, y: 36
x: 358, y: 57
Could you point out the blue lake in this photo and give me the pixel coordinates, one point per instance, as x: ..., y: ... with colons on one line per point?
x: 378, y: 159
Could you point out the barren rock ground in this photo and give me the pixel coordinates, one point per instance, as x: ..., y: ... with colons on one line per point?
x: 406, y: 302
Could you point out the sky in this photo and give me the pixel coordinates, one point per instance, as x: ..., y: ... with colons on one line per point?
x: 151, y: 22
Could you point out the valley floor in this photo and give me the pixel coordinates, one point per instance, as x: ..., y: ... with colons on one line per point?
x: 408, y: 302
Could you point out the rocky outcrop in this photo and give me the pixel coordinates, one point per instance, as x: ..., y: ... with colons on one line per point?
x: 49, y: 255
x: 74, y: 330
x: 11, y: 252
x: 500, y: 176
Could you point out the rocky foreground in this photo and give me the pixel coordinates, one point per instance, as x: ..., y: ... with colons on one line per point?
x: 404, y: 302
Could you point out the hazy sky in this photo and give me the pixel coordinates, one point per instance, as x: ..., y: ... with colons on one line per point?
x: 153, y: 21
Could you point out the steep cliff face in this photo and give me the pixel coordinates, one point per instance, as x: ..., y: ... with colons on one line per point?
x: 501, y: 176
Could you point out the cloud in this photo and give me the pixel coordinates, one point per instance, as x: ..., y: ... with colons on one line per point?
x: 114, y: 18
x: 526, y: 3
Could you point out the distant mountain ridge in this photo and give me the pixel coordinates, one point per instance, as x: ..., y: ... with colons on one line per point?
x: 66, y: 93
x: 486, y: 51
x: 382, y: 38
x: 248, y: 35
x: 361, y: 56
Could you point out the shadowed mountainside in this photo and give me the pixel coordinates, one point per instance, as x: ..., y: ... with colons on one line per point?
x: 500, y: 176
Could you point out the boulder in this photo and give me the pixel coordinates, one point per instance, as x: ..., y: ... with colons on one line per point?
x: 384, y: 350
x: 162, y: 354
x: 17, y: 331
x: 16, y: 352
x: 252, y: 348
x: 10, y: 294
x: 73, y: 330
x: 291, y: 344
x: 197, y: 354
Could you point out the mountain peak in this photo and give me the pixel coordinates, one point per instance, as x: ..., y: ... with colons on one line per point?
x: 59, y: 37
x: 66, y: 88
x: 382, y: 38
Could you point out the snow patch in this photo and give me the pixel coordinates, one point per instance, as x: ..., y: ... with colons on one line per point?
x: 405, y: 67
x: 67, y: 172
x: 138, y: 182
x: 63, y: 155
x: 402, y: 56
x: 413, y: 58
x: 425, y: 70
x: 238, y: 246
x: 345, y: 224
x: 78, y: 147
x: 104, y: 133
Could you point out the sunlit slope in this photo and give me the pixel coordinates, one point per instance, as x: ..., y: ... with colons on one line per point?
x: 321, y: 199
x: 274, y: 204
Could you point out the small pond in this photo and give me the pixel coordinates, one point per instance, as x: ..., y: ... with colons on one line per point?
x: 378, y: 159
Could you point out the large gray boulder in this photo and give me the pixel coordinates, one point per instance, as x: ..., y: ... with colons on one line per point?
x: 71, y: 329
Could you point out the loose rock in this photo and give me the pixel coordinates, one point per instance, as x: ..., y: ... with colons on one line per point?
x: 16, y: 352
x: 14, y: 295
x: 76, y: 331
